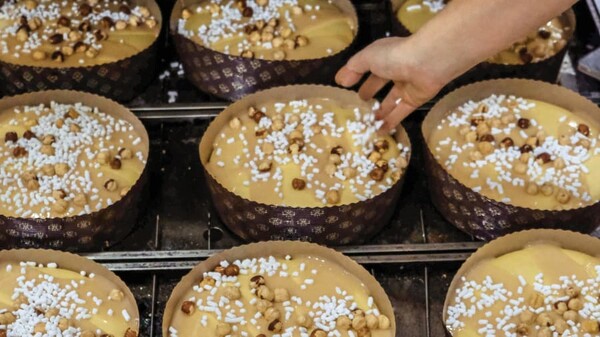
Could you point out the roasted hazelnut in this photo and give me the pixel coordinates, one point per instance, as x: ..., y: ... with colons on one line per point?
x: 359, y: 322
x: 263, y: 292
x: 28, y: 134
x: 384, y: 322
x: 58, y: 194
x: 526, y: 148
x: 232, y: 293
x: 130, y: 333
x: 563, y: 196
x: 235, y: 123
x: 85, y: 9
x: 7, y: 318
x: 263, y: 305
x: 11, y: 137
x: 571, y: 315
x: 298, y: 184
x: 125, y: 9
x: 507, y: 142
x: 304, y: 320
x: 572, y: 291
x: 208, y: 281
x: 232, y: 270
x: 377, y: 174
x: 279, y: 55
x: 257, y: 116
x: 561, y: 307
x: 372, y: 322
x: 19, y: 152
x: 543, y: 158
x: 477, y: 120
x: 84, y: 27
x: 271, y: 314
x: 547, y: 189
x: 103, y: 158
x: 536, y: 300
x: 80, y: 47
x: 115, y: 164
x: 247, y: 12
x: 275, y: 326
x: 583, y: 129
x: 125, y: 153
x: 188, y: 308
x: 523, y: 123
x: 332, y: 197
x: 532, y: 188
x: 257, y: 281
x: 485, y: 148
x: 525, y: 56
x: 63, y: 324
x: 223, y: 329
x: 575, y: 304
x: 33, y: 184
x: 80, y: 200
x: 120, y: 25
x: 39, y: 328
x: 590, y: 326
x: 486, y: 138
x: 560, y: 325
x: 522, y: 329
x: 544, y: 319
x: 56, y: 38
x: 116, y: 295
x: 281, y: 295
x: 111, y: 185
x: 100, y: 35
x: 265, y: 166
x: 318, y: 333
x: 343, y: 323
x: 23, y: 33
x: 63, y: 21
x: 60, y: 206
x: 57, y: 56
x: 544, y: 34
x: 39, y: 55
x: 106, y: 23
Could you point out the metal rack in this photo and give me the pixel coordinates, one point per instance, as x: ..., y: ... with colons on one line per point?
x: 414, y: 257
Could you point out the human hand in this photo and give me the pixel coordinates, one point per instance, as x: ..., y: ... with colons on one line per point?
x: 392, y: 59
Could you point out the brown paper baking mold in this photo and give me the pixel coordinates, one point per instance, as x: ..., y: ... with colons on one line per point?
x: 121, y: 80
x: 546, y: 70
x: 233, y: 77
x: 516, y: 241
x: 478, y: 215
x: 73, y: 263
x: 329, y: 225
x: 277, y: 249
x: 86, y: 232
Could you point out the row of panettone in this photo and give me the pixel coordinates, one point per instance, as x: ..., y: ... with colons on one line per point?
x: 228, y: 48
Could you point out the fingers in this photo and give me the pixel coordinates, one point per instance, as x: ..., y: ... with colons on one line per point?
x: 394, y: 118
x: 355, y: 68
x: 389, y: 103
x: 371, y: 87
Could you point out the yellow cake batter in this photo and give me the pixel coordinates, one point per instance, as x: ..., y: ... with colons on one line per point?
x: 520, y: 151
x: 306, y: 153
x: 269, y: 29
x: 530, y: 292
x: 59, y: 302
x: 539, y: 45
x: 274, y: 295
x: 74, y: 33
x: 64, y: 160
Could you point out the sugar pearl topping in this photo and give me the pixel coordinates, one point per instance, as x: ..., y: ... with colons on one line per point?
x: 560, y: 300
x: 63, y: 160
x: 279, y: 297
x: 503, y: 146
x: 44, y: 300
x: 70, y: 31
x: 269, y: 29
x: 308, y: 152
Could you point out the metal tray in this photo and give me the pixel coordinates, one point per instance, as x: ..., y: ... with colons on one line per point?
x: 414, y: 257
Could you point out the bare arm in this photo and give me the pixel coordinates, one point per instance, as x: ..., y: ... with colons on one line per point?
x: 465, y: 33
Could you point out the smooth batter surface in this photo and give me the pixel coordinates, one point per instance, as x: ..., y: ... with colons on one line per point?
x: 51, y: 301
x: 74, y: 33
x: 332, y: 150
x: 299, y: 293
x: 78, y: 160
x: 539, y: 45
x: 277, y: 30
x: 531, y: 292
x: 550, y: 164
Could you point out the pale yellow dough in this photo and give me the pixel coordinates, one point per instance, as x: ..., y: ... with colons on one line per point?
x: 516, y: 273
x: 299, y: 269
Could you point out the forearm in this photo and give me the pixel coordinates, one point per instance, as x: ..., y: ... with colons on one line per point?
x: 467, y: 32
